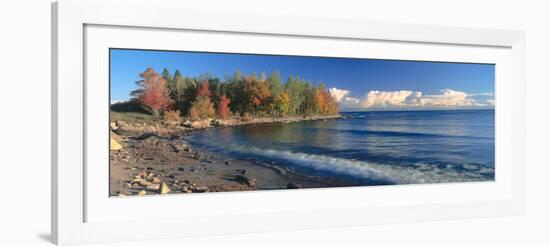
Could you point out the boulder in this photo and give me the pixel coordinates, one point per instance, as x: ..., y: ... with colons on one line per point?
x: 250, y: 181
x: 124, y: 130
x: 201, y: 123
x: 115, y: 145
x: 163, y: 189
x: 156, y: 180
x: 120, y: 123
x: 186, y: 123
x: 113, y: 126
x: 200, y: 189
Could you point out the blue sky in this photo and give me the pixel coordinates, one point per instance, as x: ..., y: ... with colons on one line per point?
x: 359, y: 83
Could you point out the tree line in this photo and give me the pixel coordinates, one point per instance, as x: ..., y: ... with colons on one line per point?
x: 251, y: 95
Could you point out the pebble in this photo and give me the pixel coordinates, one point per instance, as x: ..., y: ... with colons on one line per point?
x: 142, y: 193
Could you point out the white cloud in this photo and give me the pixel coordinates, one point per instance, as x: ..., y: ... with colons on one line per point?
x: 383, y: 99
x: 351, y: 100
x: 412, y: 99
x: 447, y: 98
x: 338, y: 94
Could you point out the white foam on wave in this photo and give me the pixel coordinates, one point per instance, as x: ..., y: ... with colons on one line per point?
x: 417, y: 174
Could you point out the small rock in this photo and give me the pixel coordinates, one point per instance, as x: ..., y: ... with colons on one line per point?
x: 245, y: 180
x: 200, y: 189
x: 243, y: 172
x: 142, y: 193
x: 142, y: 174
x: 150, y: 168
x: 156, y: 180
x: 120, y: 123
x: 197, y: 155
x: 292, y: 185
x: 181, y: 169
x: 227, y: 162
x: 150, y: 175
x: 163, y: 189
x: 171, y: 176
x: 141, y: 182
x: 153, y: 187
x: 185, y: 189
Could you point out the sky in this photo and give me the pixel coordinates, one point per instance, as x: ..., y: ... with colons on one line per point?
x: 358, y: 84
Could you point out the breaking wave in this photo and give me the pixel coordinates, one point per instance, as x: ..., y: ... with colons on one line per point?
x: 418, y: 173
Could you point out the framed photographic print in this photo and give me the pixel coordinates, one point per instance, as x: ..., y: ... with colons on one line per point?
x: 219, y: 123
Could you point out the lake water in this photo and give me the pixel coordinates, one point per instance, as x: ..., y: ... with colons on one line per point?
x: 369, y: 148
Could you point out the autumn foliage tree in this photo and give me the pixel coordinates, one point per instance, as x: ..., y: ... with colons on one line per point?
x: 203, y: 105
x: 206, y: 96
x: 153, y: 95
x: 223, y: 108
x: 204, y: 90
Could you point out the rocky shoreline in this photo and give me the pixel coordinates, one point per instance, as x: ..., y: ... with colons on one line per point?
x: 155, y: 158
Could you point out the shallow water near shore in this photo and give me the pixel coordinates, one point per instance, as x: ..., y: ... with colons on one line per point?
x: 368, y: 148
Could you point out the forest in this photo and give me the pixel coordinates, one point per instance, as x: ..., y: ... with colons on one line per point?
x: 252, y: 95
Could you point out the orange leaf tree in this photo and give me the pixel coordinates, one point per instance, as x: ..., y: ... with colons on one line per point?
x: 154, y: 97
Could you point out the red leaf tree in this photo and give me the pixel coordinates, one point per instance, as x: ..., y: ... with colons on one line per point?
x: 204, y: 90
x: 155, y: 97
x: 223, y: 109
